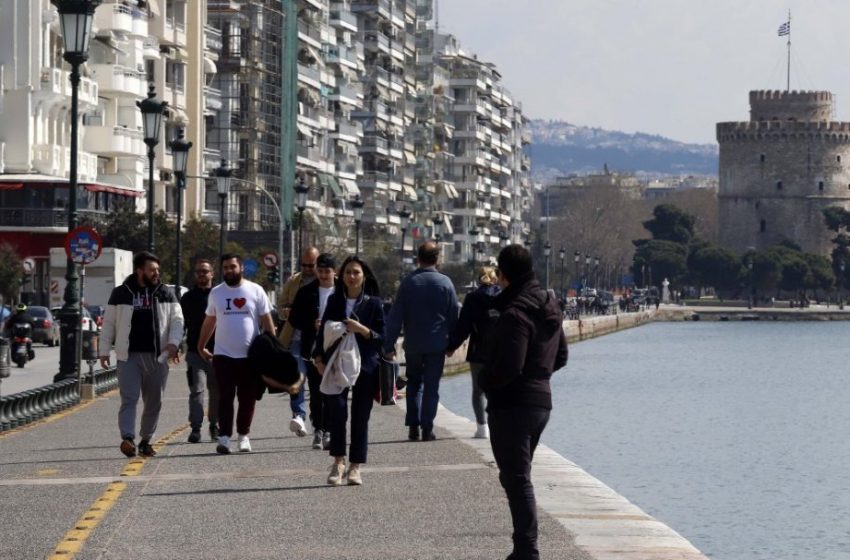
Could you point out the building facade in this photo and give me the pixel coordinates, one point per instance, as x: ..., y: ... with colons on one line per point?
x: 780, y: 170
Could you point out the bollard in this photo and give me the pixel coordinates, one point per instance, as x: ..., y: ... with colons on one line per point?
x: 5, y: 358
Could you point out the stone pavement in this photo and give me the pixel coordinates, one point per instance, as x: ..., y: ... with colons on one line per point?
x: 67, y: 492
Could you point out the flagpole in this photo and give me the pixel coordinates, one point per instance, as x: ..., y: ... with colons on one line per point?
x: 788, y: 82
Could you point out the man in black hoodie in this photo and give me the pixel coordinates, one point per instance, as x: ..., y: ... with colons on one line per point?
x: 530, y: 346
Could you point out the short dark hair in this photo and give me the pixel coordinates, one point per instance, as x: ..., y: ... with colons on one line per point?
x: 140, y: 259
x: 228, y: 256
x: 325, y: 260
x: 428, y: 253
x: 203, y: 260
x: 515, y: 264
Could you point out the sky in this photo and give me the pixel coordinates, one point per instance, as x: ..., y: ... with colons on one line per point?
x: 669, y: 67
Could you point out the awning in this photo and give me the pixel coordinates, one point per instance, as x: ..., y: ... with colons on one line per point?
x: 112, y: 189
x: 153, y: 5
x: 209, y: 66
x: 181, y: 53
x: 350, y: 187
x: 108, y: 39
x: 176, y: 114
x: 445, y: 187
x: 16, y: 182
x: 307, y: 97
x: 409, y: 157
x: 329, y: 181
x: 11, y: 186
x: 305, y: 130
x: 410, y: 192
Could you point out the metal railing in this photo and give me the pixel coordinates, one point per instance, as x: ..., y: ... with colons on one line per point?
x: 20, y: 409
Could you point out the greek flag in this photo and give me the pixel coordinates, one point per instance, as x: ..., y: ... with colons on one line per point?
x: 785, y: 29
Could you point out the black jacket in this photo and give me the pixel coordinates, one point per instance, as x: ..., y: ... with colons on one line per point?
x: 194, y: 305
x: 531, y: 346
x: 472, y: 314
x: 303, y: 315
x: 370, y: 313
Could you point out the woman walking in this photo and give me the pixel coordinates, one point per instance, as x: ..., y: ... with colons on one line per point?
x: 354, y: 302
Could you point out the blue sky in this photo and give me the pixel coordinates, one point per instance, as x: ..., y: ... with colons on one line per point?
x: 670, y: 67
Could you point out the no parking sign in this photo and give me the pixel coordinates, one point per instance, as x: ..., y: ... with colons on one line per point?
x: 83, y: 245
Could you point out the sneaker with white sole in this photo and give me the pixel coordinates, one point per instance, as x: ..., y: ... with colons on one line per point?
x: 482, y: 432
x: 317, y: 439
x: 244, y: 444
x: 354, y: 478
x: 297, y: 427
x: 337, y: 474
x: 223, y: 446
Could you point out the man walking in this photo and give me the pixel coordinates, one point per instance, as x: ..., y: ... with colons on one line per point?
x: 305, y: 316
x: 236, y: 310
x: 526, y: 345
x: 143, y: 323
x: 199, y: 371
x: 425, y: 309
x: 290, y: 336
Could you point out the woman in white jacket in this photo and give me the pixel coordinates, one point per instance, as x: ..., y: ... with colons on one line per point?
x: 355, y: 302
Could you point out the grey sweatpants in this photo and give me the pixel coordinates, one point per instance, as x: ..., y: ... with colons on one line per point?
x: 141, y: 375
x: 200, y: 378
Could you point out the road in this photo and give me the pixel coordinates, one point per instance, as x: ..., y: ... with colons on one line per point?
x: 36, y: 373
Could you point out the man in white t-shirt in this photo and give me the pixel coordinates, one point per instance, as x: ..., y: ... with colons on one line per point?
x: 236, y: 310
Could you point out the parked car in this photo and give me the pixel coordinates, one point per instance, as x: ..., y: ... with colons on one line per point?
x: 45, y: 327
x: 88, y: 322
x: 96, y: 312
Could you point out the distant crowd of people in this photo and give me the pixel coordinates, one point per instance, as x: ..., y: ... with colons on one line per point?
x: 330, y: 313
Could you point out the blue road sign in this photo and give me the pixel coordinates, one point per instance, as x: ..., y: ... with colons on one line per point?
x: 250, y: 267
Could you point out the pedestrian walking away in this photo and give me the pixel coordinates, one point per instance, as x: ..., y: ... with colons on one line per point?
x: 355, y: 303
x: 143, y: 324
x: 199, y: 372
x: 290, y: 336
x: 425, y: 310
x: 515, y: 377
x: 475, y: 322
x: 305, y: 316
x: 237, y: 310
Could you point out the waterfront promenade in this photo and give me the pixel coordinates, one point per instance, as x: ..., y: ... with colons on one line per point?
x: 68, y: 493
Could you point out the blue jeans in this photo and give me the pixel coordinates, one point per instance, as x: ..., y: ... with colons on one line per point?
x: 423, y: 388
x: 296, y: 402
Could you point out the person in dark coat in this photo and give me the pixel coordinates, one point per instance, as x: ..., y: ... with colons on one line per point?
x: 355, y: 302
x: 516, y: 381
x: 473, y: 323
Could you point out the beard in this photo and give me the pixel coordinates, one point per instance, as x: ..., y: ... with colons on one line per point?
x: 150, y: 281
x: 233, y: 278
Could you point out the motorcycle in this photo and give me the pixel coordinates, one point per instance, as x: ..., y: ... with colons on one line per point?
x: 22, y: 351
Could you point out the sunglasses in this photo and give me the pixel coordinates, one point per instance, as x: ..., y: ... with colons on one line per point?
x: 203, y: 272
x: 308, y: 265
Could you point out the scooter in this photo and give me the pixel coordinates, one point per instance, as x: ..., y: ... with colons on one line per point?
x: 22, y: 351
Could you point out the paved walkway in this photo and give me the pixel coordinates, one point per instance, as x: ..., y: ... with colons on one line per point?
x: 67, y: 492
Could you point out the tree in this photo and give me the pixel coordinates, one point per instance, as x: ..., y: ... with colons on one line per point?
x: 11, y: 272
x: 767, y: 270
x: 671, y: 224
x: 715, y: 266
x: 125, y: 228
x: 666, y: 259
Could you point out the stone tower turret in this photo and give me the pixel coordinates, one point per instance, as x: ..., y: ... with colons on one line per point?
x: 781, y: 169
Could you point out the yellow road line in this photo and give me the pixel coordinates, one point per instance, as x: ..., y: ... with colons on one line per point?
x: 54, y: 417
x: 74, y: 539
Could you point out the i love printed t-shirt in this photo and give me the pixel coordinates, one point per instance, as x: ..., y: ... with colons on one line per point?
x: 237, y: 312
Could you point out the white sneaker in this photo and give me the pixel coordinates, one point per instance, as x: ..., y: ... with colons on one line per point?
x: 223, y: 446
x: 482, y: 432
x: 297, y: 427
x: 337, y: 472
x: 354, y: 478
x: 244, y: 444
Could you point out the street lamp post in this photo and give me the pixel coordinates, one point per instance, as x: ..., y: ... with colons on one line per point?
x: 547, y: 251
x: 562, y: 254
x: 596, y: 272
x: 404, y: 222
x: 577, y: 260
x: 586, y: 270
x: 473, y: 238
x: 752, y: 284
x: 180, y: 149
x: 357, y: 207
x: 223, y: 177
x: 152, y: 109
x: 438, y: 222
x: 76, y: 17
x: 301, y: 191
x: 841, y: 284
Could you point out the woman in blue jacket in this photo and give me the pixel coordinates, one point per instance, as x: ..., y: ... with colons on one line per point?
x: 356, y: 303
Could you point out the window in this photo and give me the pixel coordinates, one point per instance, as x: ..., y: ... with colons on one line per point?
x: 763, y: 226
x: 820, y: 186
x: 761, y: 158
x: 838, y: 159
x: 779, y: 185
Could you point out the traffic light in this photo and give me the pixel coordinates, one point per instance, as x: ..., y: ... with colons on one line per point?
x: 274, y: 274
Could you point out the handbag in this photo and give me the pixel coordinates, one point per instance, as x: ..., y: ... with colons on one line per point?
x: 388, y: 374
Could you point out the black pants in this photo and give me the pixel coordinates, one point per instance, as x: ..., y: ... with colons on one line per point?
x: 318, y: 416
x: 514, y: 434
x: 362, y: 397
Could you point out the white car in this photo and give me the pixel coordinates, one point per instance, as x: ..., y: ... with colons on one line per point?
x: 88, y: 322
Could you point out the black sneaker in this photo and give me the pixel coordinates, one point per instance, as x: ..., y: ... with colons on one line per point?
x: 128, y: 448
x: 195, y: 436
x: 214, y: 432
x: 428, y: 435
x: 145, y: 449
x: 413, y: 433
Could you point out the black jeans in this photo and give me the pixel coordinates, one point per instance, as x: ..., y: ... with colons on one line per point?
x: 336, y: 408
x: 514, y: 434
x: 318, y: 415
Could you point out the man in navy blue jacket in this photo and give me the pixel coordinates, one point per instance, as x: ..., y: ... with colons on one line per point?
x: 425, y: 310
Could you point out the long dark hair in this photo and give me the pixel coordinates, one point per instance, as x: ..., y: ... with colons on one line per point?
x: 370, y: 283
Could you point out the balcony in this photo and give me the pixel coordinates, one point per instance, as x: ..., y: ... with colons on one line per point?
x: 373, y: 180
x: 382, y: 7
x: 341, y: 17
x: 212, y: 39
x: 55, y: 160
x: 119, y: 79
x: 47, y: 217
x: 115, y: 141
x: 56, y: 87
x: 341, y: 55
x: 371, y: 109
x: 212, y: 99
x: 345, y: 131
x: 375, y: 40
x: 310, y: 156
x: 212, y: 159
x: 115, y: 17
x: 346, y: 94
x: 373, y: 144
x: 309, y: 75
x: 309, y: 34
